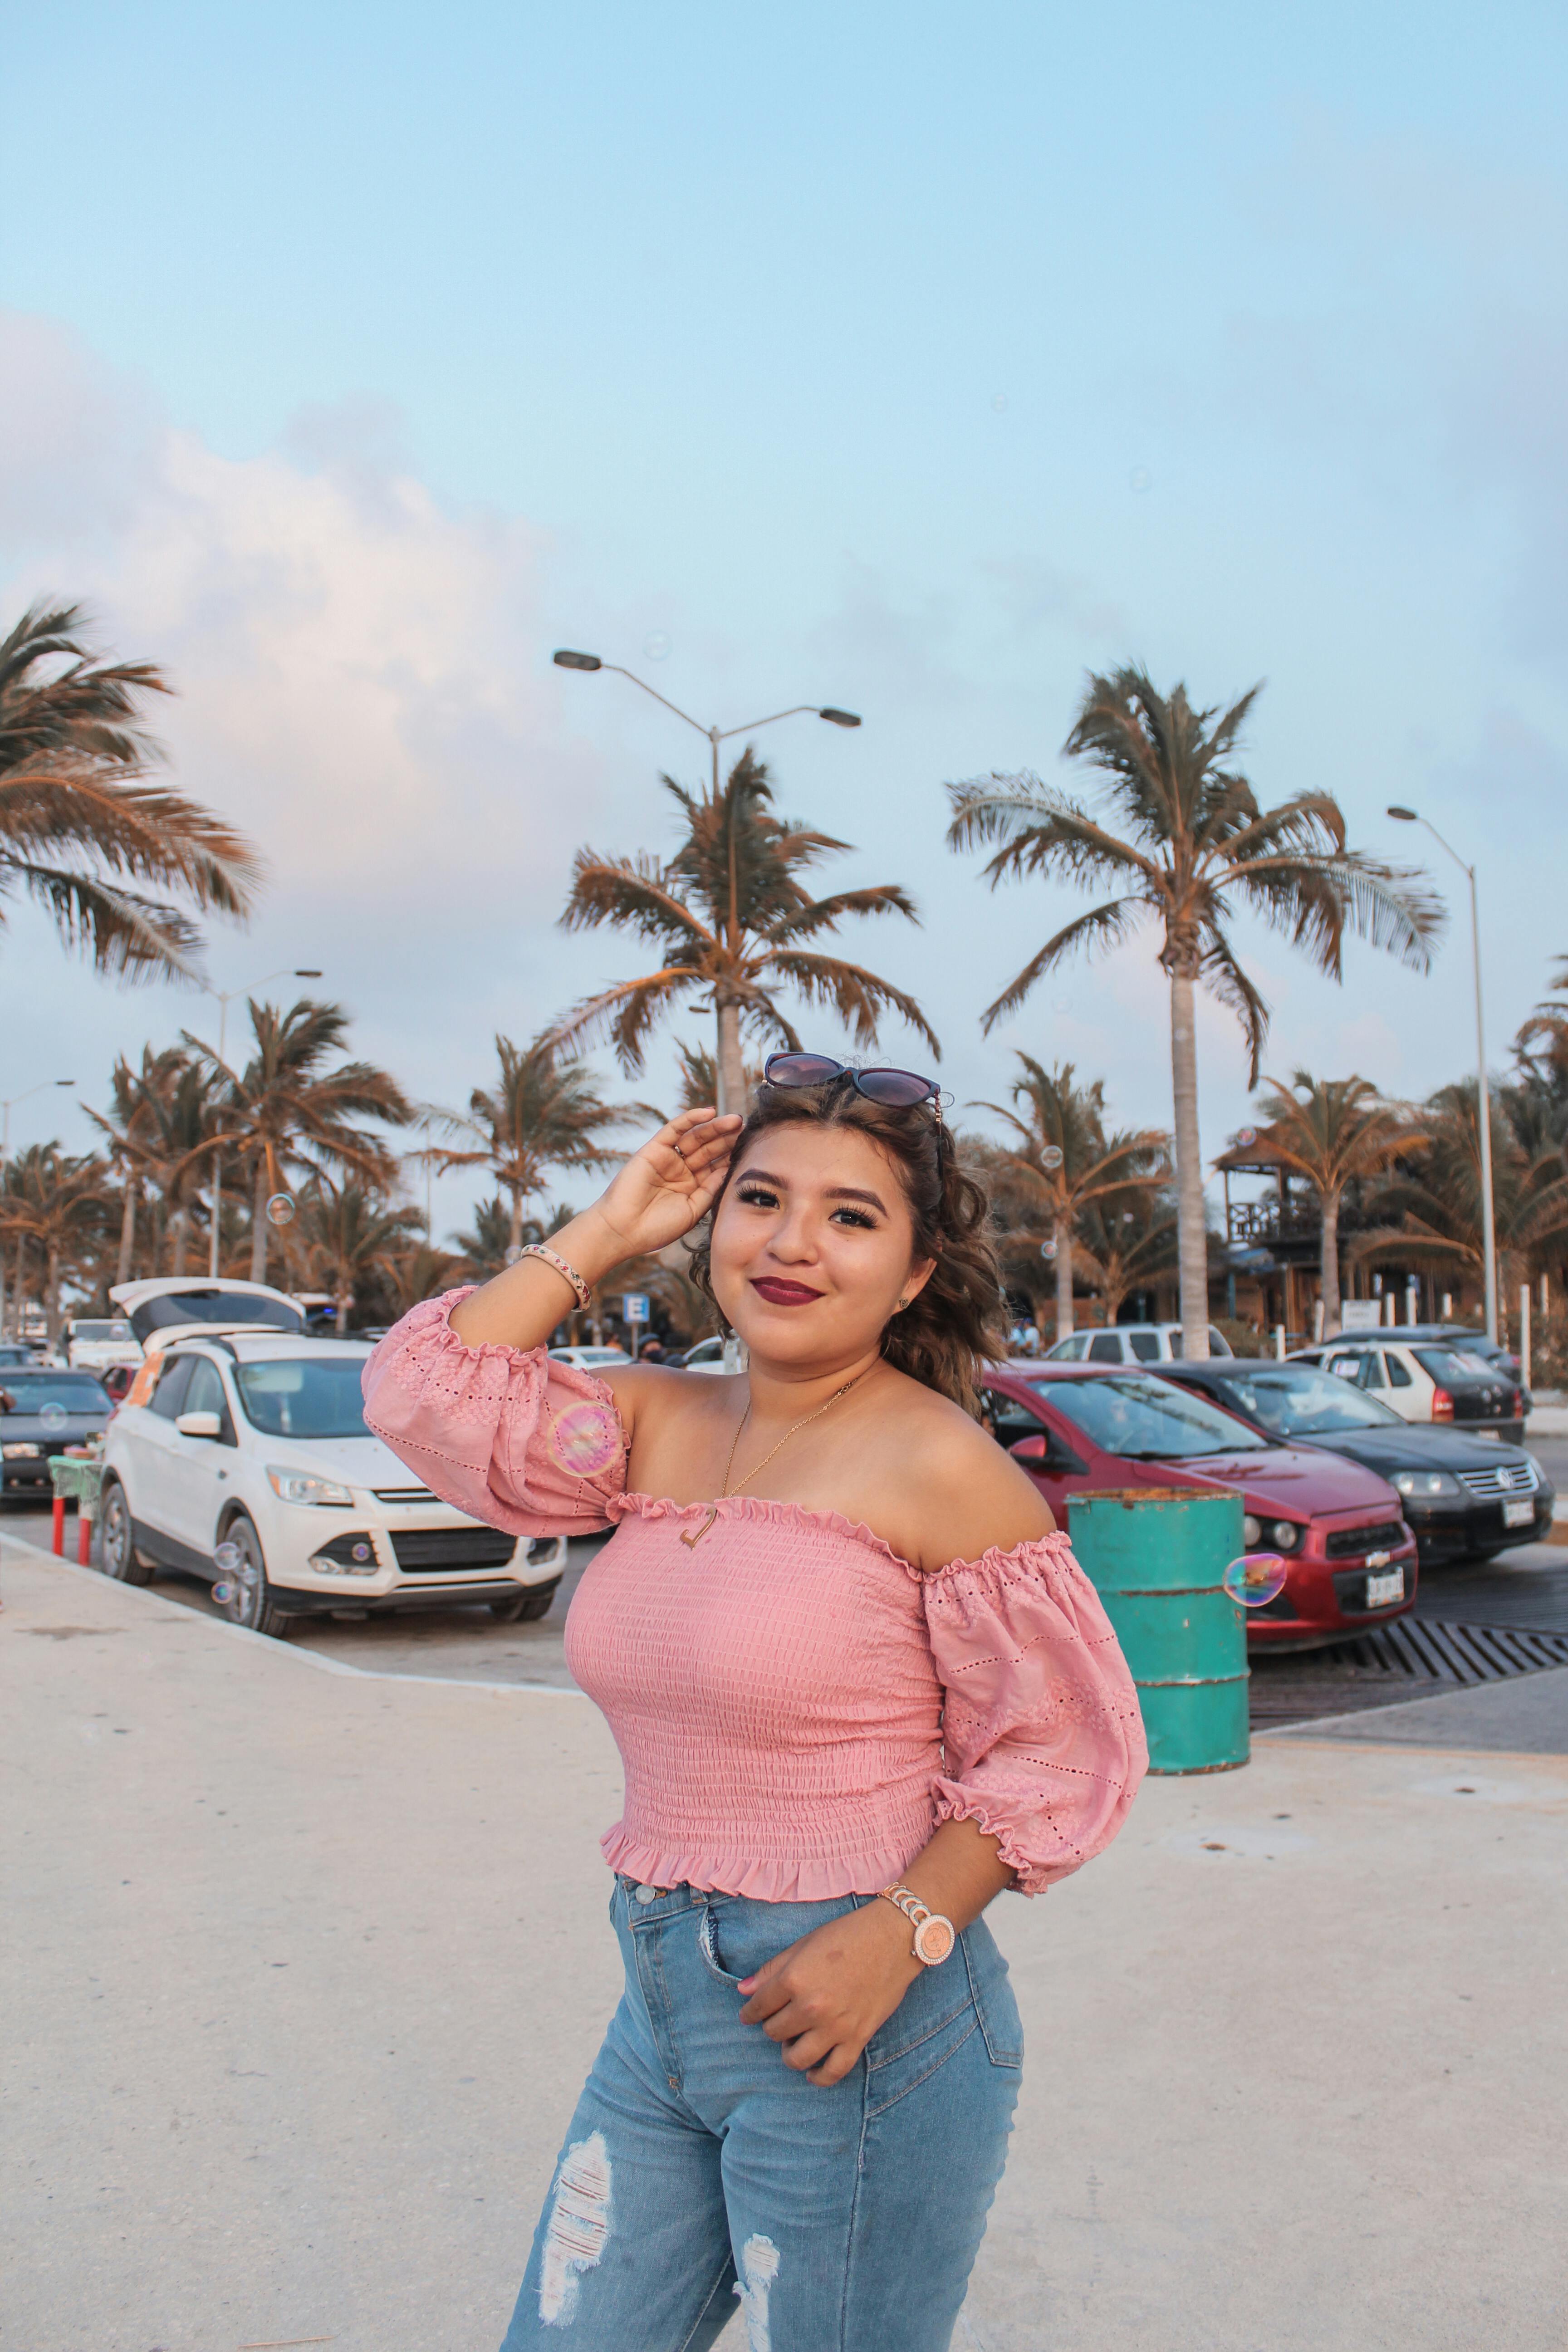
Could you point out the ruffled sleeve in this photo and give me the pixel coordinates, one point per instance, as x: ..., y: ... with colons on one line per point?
x: 1044, y: 1741
x: 534, y: 1447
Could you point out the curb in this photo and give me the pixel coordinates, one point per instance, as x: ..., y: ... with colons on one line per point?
x: 276, y: 1649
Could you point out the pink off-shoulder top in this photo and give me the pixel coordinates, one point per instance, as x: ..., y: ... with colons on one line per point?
x: 796, y: 1708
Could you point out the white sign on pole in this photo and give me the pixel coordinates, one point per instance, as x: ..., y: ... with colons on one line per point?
x: 1359, y: 1314
x: 633, y: 1307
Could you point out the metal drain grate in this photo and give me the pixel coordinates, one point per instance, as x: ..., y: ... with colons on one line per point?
x: 1425, y: 1649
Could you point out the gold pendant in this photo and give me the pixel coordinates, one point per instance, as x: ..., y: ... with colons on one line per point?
x: 695, y: 1534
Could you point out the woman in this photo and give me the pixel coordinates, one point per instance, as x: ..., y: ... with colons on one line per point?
x: 858, y: 1684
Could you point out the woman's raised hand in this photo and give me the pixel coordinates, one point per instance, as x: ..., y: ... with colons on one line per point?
x: 670, y: 1183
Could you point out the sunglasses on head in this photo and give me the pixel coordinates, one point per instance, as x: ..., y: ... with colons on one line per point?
x: 894, y: 1089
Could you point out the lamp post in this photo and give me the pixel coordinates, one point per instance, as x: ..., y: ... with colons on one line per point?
x: 1483, y: 1095
x: 716, y: 735
x: 226, y: 997
x: 42, y: 1087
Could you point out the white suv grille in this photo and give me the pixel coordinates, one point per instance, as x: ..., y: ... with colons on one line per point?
x: 1508, y: 1478
x: 403, y: 1495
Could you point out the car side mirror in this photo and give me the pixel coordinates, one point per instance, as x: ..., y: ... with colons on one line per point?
x: 1033, y: 1448
x: 199, y: 1424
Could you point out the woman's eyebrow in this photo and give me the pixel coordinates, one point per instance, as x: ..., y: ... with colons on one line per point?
x: 848, y: 1193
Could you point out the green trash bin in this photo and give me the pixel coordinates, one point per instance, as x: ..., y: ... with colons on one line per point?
x: 1157, y: 1557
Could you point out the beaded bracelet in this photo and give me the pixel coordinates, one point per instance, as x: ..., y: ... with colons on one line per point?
x: 537, y: 1249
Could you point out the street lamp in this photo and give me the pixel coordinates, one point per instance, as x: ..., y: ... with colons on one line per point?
x: 1483, y: 1096
x: 716, y: 735
x: 42, y: 1087
x: 226, y: 997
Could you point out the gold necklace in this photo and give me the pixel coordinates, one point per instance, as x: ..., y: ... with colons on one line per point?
x: 691, y: 1537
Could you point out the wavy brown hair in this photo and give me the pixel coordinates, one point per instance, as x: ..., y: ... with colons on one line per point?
x: 950, y: 1330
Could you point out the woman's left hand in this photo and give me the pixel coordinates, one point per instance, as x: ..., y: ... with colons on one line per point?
x: 824, y: 1998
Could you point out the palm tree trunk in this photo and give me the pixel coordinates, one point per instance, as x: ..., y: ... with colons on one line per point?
x: 1329, y: 1269
x: 1063, y: 1231
x: 1192, y: 1236
x: 731, y: 1062
x: 127, y: 1232
x: 516, y: 1222
x: 52, y: 1295
x: 258, y: 1225
x: 179, y: 1228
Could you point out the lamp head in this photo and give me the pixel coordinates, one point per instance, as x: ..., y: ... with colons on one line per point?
x: 567, y: 660
x: 306, y: 972
x: 65, y: 1082
x: 839, y: 718
x: 1406, y: 816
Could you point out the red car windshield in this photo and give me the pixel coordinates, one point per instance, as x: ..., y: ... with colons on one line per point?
x: 1146, y: 1420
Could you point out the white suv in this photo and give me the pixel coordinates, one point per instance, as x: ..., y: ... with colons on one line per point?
x: 245, y: 1459
x: 1129, y: 1343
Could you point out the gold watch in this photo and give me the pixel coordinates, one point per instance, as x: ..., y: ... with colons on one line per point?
x: 935, y: 1934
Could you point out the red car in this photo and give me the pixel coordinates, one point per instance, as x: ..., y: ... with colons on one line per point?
x: 1350, y: 1557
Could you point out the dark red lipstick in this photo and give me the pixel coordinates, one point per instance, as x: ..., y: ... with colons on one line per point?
x: 780, y: 1293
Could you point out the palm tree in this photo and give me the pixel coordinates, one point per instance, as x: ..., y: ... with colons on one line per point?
x: 699, y: 1076
x: 1543, y: 1039
x: 731, y: 923
x: 545, y: 1111
x: 57, y: 1201
x: 1335, y: 1132
x: 347, y: 1236
x: 1197, y: 843
x: 488, y: 1236
x: 1061, y: 1149
x: 1126, y: 1241
x: 287, y: 1110
x: 179, y: 1146
x: 1438, y: 1199
x: 130, y: 1127
x: 81, y: 821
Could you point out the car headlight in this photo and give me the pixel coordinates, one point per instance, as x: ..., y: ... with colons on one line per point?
x: 1251, y: 1531
x: 304, y: 1486
x: 1286, y: 1534
x: 1426, y: 1482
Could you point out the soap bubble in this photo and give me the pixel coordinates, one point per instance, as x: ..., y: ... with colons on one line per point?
x: 1255, y: 1578
x: 656, y: 645
x: 224, y: 1593
x: 1052, y: 1157
x: 54, y: 1416
x: 226, y: 1557
x: 1139, y: 479
x: 280, y: 1209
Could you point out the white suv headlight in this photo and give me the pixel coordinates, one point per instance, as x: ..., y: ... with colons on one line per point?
x: 304, y: 1486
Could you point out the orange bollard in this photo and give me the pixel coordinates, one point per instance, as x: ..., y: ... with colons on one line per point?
x: 83, y: 1539
x: 59, y: 1527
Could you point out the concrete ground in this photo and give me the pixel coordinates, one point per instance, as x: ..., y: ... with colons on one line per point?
x: 305, y: 1965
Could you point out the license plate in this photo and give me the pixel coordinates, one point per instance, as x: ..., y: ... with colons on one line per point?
x: 21, y: 1453
x: 1383, y: 1590
x: 1518, y: 1515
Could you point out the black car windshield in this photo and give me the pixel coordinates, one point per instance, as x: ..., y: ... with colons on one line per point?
x: 1147, y: 1420
x: 1295, y: 1400
x: 71, y: 1391
x: 1442, y: 1365
x: 304, y: 1397
x: 214, y: 1306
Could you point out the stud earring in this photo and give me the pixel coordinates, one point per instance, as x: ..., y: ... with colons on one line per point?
x: 901, y: 1306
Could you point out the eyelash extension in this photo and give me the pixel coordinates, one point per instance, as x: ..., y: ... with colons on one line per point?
x: 759, y: 1197
x: 859, y: 1217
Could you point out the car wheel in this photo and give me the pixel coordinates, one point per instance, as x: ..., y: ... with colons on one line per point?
x: 248, y: 1595
x: 117, y: 1553
x: 529, y: 1607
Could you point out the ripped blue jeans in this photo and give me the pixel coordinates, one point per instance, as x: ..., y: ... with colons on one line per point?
x: 701, y: 2170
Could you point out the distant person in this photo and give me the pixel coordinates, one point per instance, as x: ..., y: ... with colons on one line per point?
x: 651, y: 1351
x: 859, y: 1685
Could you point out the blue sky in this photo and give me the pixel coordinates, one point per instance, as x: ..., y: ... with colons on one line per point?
x: 910, y: 359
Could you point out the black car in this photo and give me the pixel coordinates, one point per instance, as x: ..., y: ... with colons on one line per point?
x: 42, y: 1412
x: 1463, y: 1497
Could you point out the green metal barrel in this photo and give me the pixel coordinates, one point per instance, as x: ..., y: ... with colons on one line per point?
x: 1157, y: 1557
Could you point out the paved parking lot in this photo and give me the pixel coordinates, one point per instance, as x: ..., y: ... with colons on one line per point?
x: 304, y: 1968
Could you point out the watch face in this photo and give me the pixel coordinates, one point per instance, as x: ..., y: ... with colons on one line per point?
x: 933, y: 1941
